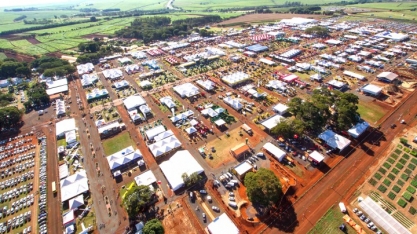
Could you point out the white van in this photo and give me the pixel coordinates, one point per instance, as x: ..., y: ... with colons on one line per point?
x: 235, y: 182
x: 342, y: 207
x: 229, y: 175
x: 233, y: 204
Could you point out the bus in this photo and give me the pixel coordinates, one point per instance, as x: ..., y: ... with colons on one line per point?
x: 54, y: 187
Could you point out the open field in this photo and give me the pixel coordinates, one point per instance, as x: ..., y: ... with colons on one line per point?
x: 220, y: 4
x: 371, y: 112
x: 330, y: 223
x: 265, y: 17
x: 400, y: 15
x: 387, y: 5
x: 117, y: 143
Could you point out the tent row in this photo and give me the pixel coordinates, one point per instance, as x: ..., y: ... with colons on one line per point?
x: 164, y: 146
x: 123, y: 157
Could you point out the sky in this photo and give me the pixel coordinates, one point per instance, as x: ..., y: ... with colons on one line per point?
x: 20, y: 3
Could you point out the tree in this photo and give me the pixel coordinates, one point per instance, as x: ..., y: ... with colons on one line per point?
x: 23, y: 71
x: 93, y: 19
x: 263, y: 187
x: 284, y: 129
x: 136, y: 198
x: 10, y: 117
x: 153, y: 226
x: 318, y: 31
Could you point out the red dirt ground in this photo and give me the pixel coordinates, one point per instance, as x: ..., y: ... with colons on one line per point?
x: 266, y: 17
x: 34, y: 41
x: 18, y: 57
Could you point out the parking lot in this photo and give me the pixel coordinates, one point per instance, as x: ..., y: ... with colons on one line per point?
x: 19, y: 175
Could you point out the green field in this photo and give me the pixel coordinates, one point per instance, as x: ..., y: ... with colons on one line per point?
x: 402, y: 15
x: 370, y: 111
x: 2, y: 56
x: 330, y: 223
x: 221, y: 4
x: 387, y: 5
x: 117, y: 143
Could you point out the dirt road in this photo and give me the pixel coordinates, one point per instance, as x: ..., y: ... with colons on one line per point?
x: 342, y: 181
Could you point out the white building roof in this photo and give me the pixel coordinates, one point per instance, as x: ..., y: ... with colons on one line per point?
x: 76, y: 202
x: 358, y: 129
x: 333, y: 42
x: 235, y: 78
x: 123, y: 157
x: 267, y: 61
x: 318, y: 157
x: 167, y: 101
x: 133, y: 102
x: 70, y: 136
x: 222, y: 224
x: 146, y: 178
x: 272, y: 121
x: 102, y: 128
x: 275, y: 151
x: 60, y: 107
x: 297, y: 21
x: 233, y: 102
x: 372, y: 89
x: 63, y: 171
x: 336, y: 83
x: 181, y: 162
x: 280, y: 108
x: 163, y: 135
x: 382, y: 218
x: 182, y: 115
x: 85, y: 68
x: 121, y: 84
x: 64, y: 126
x: 56, y: 83
x: 112, y: 73
x: 243, y: 168
x: 387, y: 75
x: 334, y: 140
x: 74, y: 185
x: 153, y: 132
x: 145, y: 83
x: 355, y: 75
x: 88, y: 79
x: 59, y: 89
x: 68, y: 217
x: 186, y: 90
x: 97, y: 93
x: 206, y: 84
x: 165, y: 145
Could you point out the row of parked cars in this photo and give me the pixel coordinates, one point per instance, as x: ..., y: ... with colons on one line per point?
x: 18, y: 205
x: 42, y: 218
x: 367, y: 220
x: 18, y: 168
x: 15, y: 144
x: 16, y: 192
x: 19, y: 179
x: 18, y: 159
x: 16, y: 222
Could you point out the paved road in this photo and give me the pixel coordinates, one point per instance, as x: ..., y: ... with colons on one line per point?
x: 343, y: 180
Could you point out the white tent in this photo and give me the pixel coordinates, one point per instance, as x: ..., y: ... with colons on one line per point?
x: 112, y: 73
x: 63, y: 171
x: 145, y: 109
x: 164, y: 146
x: 190, y: 130
x: 206, y: 84
x: 85, y: 68
x: 276, y: 84
x: 123, y: 157
x: 163, y: 135
x: 68, y: 218
x: 181, y: 116
x: 181, y: 162
x: 235, y: 78
x: 145, y: 83
x: 334, y: 140
x: 74, y: 185
x: 242, y: 168
x: 146, y: 178
x: 88, y: 79
x: 60, y: 107
x: 280, y: 108
x: 210, y: 112
x: 222, y: 224
x: 133, y: 101
x: 64, y: 126
x: 70, y: 137
x: 193, y: 122
x: 272, y: 121
x: 233, y: 102
x: 220, y: 122
x: 97, y: 93
x: 358, y: 129
x: 316, y: 156
x: 186, y: 90
x: 275, y: 151
x: 153, y: 132
x: 76, y: 202
x: 121, y: 84
x: 167, y: 101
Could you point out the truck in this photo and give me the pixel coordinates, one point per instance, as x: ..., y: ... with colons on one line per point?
x: 247, y: 129
x: 342, y: 207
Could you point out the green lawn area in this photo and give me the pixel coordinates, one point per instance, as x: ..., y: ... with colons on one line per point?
x: 387, y: 5
x: 330, y: 223
x: 2, y: 56
x: 127, y: 188
x: 117, y: 143
x: 370, y: 111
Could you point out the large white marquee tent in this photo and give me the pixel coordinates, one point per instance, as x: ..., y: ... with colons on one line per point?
x: 186, y: 90
x: 74, y: 185
x: 181, y: 162
x: 123, y: 157
x: 164, y: 146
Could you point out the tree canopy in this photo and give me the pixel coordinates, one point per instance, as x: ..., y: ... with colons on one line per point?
x: 10, y: 117
x: 288, y: 128
x: 263, y: 187
x: 53, y: 66
x: 192, y: 179
x: 325, y: 107
x: 12, y: 68
x: 153, y: 226
x: 37, y: 95
x: 318, y: 31
x: 136, y: 198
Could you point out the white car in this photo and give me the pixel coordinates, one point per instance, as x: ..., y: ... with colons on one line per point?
x: 215, y: 208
